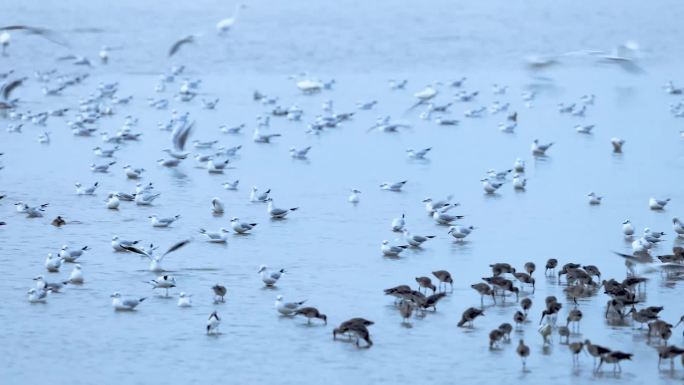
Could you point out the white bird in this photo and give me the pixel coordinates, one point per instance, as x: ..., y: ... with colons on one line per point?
x: 76, y: 276
x: 431, y: 206
x: 269, y: 277
x: 519, y: 183
x: 354, y: 196
x: 396, y: 186
x: 53, y: 287
x: 442, y: 218
x: 425, y: 94
x: 155, y: 260
x: 584, y: 128
x: 415, y: 240
x: 102, y: 168
x: 277, y: 212
x: 112, y: 202
x: 71, y: 255
x: 120, y: 244
x: 390, y: 250
x: 594, y: 199
x: 617, y: 144
x: 184, y: 300
x: 163, y: 282
x: 508, y: 127
x: 258, y: 137
x: 144, y: 198
x: 678, y: 227
x: 162, y: 222
x: 419, y: 154
x: 627, y: 228
x: 86, y: 191
x: 37, y: 295
x: 169, y: 162
x: 215, y: 236
x: 460, y: 232
x: 309, y: 86
x: 287, y: 308
x: 121, y: 303
x: 53, y: 263
x: 133, y: 173
x: 540, y: 149
x: 398, y: 223
x: 490, y: 186
x: 241, y: 227
x: 5, y: 39
x: 299, y: 154
x: 213, y: 324
x: 44, y: 137
x: 657, y: 204
x: 519, y: 165
x: 216, y: 206
x: 231, y: 185
x: 255, y: 197
x: 105, y: 153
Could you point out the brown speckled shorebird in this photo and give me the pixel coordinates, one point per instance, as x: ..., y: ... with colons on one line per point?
x: 431, y: 301
x: 576, y: 349
x: 614, y: 358
x: 469, y: 316
x: 574, y: 317
x: 518, y: 318
x: 484, y: 289
x: 595, y: 350
x: 444, y: 277
x: 524, y: 352
x: 311, y: 312
x: 551, y: 265
x: 526, y: 304
x: 506, y: 329
x: 525, y: 278
x: 405, y: 309
x: 425, y: 283
x: 219, y: 293
x: 495, y: 336
x: 530, y: 267
x: 668, y: 352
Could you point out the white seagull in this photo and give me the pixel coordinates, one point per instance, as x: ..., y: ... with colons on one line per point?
x: 215, y: 236
x: 354, y: 196
x: 657, y: 204
x: 276, y: 212
x: 540, y: 149
x: 162, y: 222
x: 269, y: 277
x: 121, y: 303
x: 390, y: 250
x: 155, y: 260
x: 287, y: 308
x: 396, y: 186
x: 241, y: 227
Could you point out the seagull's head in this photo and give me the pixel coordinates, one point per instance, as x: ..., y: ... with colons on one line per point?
x: 279, y: 298
x: 234, y: 219
x: 626, y: 222
x: 31, y: 291
x: 64, y: 247
x: 115, y: 295
x: 385, y: 242
x: 675, y: 220
x: 452, y: 229
x: 77, y: 184
x: 77, y: 267
x: 261, y: 268
x: 39, y: 278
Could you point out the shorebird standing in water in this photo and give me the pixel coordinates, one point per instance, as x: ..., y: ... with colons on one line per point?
x: 524, y: 352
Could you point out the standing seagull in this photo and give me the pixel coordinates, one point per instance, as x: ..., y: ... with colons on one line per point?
x: 540, y: 149
x: 277, y: 213
x: 213, y: 324
x: 269, y: 278
x: 287, y: 308
x: 226, y: 24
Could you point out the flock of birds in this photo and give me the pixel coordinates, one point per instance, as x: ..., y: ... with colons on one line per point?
x: 583, y: 282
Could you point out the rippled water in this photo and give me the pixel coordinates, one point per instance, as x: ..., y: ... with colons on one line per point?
x: 330, y: 248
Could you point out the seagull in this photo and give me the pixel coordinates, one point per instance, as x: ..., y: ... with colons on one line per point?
x: 277, y: 213
x: 519, y: 165
x: 112, y: 202
x: 287, y: 308
x: 133, y: 173
x: 216, y: 206
x: 678, y: 227
x: 155, y: 260
x: 490, y: 186
x: 52, y: 263
x: 162, y: 222
x: 121, y: 303
x: 415, y: 240
x: 396, y: 186
x: 144, y: 199
x: 268, y: 277
x: 71, y: 255
x: 519, y: 183
x: 241, y: 227
x: 213, y: 324
x: 442, y: 218
x: 627, y: 228
x: 508, y: 127
x: 254, y: 197
x: 53, y: 287
x: 398, y: 223
x: 657, y: 204
x: 425, y: 95
x: 119, y: 244
x: 163, y: 282
x: 258, y: 137
x: 391, y: 251
x: 215, y: 237
x: 354, y: 196
x: 102, y: 168
x: 105, y: 153
x: 594, y: 199
x: 231, y: 185
x: 431, y: 206
x: 179, y: 138
x: 226, y: 24
x: 184, y: 300
x: 37, y: 295
x: 460, y: 232
x: 299, y: 154
x: 420, y: 154
x: 540, y: 149
x: 76, y: 276
x: 584, y: 128
x: 86, y: 191
x: 617, y: 144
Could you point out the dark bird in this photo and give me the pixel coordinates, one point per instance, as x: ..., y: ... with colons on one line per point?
x: 42, y: 32
x: 220, y: 292
x: 11, y: 86
x: 178, y: 44
x: 311, y: 312
x: 469, y: 316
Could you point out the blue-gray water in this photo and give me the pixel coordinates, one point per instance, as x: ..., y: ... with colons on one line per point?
x: 329, y: 247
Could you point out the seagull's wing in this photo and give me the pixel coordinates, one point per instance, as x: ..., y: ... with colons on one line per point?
x: 11, y: 86
x: 130, y: 302
x: 176, y: 46
x: 135, y: 250
x: 636, y: 258
x: 45, y: 33
x: 180, y: 136
x: 176, y: 246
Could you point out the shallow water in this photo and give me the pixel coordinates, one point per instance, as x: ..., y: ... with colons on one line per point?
x: 329, y: 247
